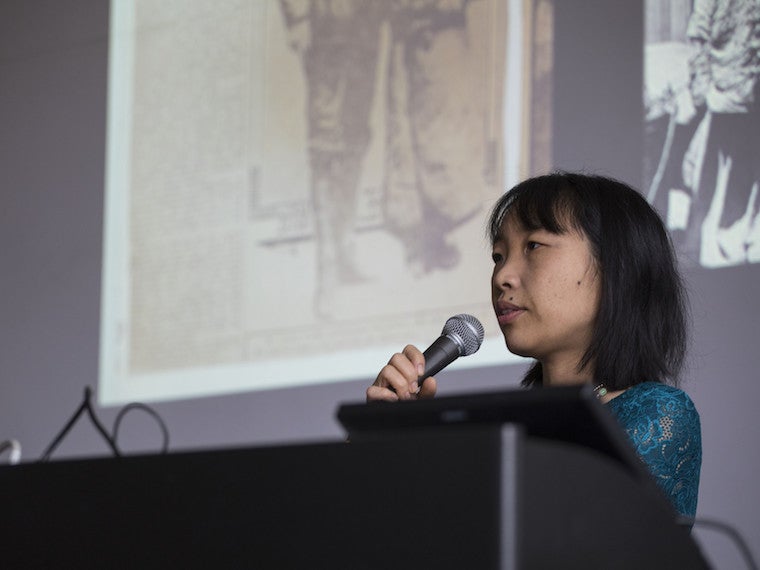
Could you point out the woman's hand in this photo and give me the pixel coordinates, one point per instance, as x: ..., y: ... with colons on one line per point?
x: 398, y: 379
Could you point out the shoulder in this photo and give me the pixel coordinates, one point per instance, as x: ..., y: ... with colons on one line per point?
x: 655, y: 407
x: 654, y: 396
x: 663, y: 426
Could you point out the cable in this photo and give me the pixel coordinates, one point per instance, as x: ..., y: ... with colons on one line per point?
x: 66, y: 428
x: 150, y: 411
x: 99, y: 426
x: 14, y: 457
x: 86, y: 407
x: 734, y: 535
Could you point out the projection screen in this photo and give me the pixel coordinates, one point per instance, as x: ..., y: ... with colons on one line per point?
x: 295, y: 190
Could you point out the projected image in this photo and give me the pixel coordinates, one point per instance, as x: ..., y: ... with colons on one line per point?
x: 403, y: 110
x: 296, y: 189
x: 441, y: 86
x: 702, y: 151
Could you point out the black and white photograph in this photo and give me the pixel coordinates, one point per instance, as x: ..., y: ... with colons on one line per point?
x: 702, y: 149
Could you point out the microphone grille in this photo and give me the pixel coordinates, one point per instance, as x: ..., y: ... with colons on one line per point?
x: 468, y: 330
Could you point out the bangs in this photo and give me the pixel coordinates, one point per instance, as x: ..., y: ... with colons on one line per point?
x: 539, y: 203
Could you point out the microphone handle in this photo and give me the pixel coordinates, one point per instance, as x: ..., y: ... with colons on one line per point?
x: 439, y: 355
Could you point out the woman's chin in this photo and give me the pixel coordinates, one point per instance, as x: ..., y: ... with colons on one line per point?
x: 518, y: 349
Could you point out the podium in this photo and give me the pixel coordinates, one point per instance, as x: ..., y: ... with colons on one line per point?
x: 487, y: 496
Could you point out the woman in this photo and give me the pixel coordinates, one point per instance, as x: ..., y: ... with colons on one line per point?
x: 585, y: 282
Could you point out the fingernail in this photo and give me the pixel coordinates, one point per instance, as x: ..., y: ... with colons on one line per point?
x: 420, y: 369
x: 414, y: 388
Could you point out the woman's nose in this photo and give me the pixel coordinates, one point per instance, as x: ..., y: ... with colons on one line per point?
x: 505, y: 275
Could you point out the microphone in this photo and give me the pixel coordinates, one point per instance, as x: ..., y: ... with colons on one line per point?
x: 462, y: 335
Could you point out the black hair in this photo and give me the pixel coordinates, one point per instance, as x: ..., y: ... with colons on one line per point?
x: 640, y: 333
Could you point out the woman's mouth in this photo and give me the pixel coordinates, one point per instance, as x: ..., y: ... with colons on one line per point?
x: 506, y: 313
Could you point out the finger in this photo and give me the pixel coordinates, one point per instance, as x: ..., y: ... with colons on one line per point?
x: 399, y: 377
x: 428, y: 388
x: 404, y: 370
x: 415, y: 356
x: 408, y: 367
x: 378, y: 393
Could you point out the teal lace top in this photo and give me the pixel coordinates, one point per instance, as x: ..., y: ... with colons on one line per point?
x: 663, y: 425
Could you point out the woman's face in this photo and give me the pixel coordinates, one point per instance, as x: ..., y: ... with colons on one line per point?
x: 545, y: 291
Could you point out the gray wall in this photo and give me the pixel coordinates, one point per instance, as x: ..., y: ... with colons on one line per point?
x: 53, y: 63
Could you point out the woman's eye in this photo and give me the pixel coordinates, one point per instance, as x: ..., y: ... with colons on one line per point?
x: 531, y: 245
x: 496, y: 257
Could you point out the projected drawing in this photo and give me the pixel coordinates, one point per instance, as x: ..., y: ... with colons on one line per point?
x: 434, y: 104
x: 338, y: 46
x: 437, y: 148
x: 297, y: 186
x: 702, y: 102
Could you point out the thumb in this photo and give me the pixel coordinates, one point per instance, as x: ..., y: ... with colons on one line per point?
x: 428, y: 388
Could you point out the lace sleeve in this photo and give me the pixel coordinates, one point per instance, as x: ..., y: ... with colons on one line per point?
x: 663, y: 425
